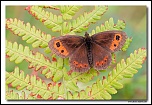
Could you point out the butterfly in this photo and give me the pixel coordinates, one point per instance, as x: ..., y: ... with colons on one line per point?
x: 88, y: 51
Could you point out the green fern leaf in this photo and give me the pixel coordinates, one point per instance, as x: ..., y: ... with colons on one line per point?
x: 109, y: 25
x: 35, y: 85
x: 83, y: 77
x: 69, y: 11
x: 113, y: 58
x: 126, y: 45
x: 38, y: 61
x: 66, y: 27
x: 83, y: 21
x: 103, y: 89
x: 13, y: 95
x: 120, y: 25
x: 71, y: 78
x: 28, y: 33
x: 13, y: 51
x: 51, y: 7
x: 49, y: 19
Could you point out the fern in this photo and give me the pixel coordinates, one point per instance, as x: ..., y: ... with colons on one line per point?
x: 102, y: 89
x: 126, y: 45
x: 12, y: 95
x: 63, y: 83
x: 109, y: 25
x: 37, y: 61
x: 18, y: 53
x: 81, y: 23
x: 50, y: 20
x: 51, y: 7
x: 34, y: 84
x: 28, y: 33
x: 69, y: 11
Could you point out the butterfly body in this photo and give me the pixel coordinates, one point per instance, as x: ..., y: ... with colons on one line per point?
x: 88, y: 45
x: 89, y: 51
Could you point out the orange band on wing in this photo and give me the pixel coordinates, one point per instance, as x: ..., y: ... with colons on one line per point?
x: 116, y: 41
x: 99, y: 63
x: 79, y: 65
x: 58, y: 46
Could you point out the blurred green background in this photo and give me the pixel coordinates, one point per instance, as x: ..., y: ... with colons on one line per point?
x: 136, y: 27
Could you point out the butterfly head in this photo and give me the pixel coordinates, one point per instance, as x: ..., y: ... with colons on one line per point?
x: 86, y: 35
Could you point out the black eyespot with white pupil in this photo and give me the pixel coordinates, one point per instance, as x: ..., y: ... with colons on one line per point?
x: 62, y: 51
x: 117, y: 37
x: 58, y: 44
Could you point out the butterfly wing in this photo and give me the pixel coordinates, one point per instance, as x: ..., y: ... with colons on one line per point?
x: 64, y: 46
x: 110, y: 40
x: 101, y: 57
x: 79, y: 60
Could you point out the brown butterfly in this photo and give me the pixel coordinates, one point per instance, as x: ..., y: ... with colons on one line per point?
x: 89, y: 51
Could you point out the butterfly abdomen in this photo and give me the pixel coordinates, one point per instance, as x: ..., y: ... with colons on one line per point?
x: 89, y: 51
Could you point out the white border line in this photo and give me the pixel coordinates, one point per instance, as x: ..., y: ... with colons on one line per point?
x: 118, y: 3
x: 133, y: 3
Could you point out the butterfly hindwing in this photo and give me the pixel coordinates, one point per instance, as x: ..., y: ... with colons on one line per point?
x: 79, y: 60
x: 101, y: 57
x: 110, y: 40
x: 64, y: 46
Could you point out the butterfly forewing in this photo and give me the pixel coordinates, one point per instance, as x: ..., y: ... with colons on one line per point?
x: 110, y: 40
x: 64, y: 46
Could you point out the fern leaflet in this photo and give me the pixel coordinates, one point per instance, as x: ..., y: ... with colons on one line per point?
x: 28, y: 33
x: 69, y: 11
x: 49, y: 19
x: 83, y: 21
x: 37, y: 61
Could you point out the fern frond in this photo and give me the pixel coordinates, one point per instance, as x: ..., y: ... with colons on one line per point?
x: 126, y: 45
x: 51, y: 7
x: 103, y: 88
x: 82, y: 77
x: 71, y: 78
x: 69, y: 11
x: 120, y: 25
x: 83, y: 21
x: 28, y: 33
x: 113, y: 58
x: 36, y: 85
x: 11, y: 95
x: 15, y: 52
x: 54, y: 70
x: 50, y: 20
x: 66, y: 28
x: 38, y: 61
x: 109, y: 25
